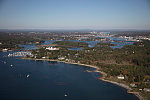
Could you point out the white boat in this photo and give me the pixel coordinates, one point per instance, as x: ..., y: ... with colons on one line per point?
x: 65, y: 95
x: 28, y: 75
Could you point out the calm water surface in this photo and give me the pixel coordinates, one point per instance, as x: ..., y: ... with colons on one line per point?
x: 52, y: 81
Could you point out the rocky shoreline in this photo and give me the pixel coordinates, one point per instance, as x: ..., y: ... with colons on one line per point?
x: 101, y: 78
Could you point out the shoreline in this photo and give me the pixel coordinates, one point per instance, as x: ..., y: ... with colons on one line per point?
x: 97, y: 69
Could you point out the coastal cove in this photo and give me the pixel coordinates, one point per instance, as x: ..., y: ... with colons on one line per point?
x: 40, y: 56
x: 75, y: 50
x: 37, y: 80
x: 97, y: 70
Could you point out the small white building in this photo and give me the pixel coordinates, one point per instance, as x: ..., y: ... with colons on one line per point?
x: 146, y: 89
x: 140, y: 89
x: 61, y: 58
x: 121, y: 77
x: 4, y: 50
x: 133, y: 85
x: 52, y: 48
x: 43, y: 57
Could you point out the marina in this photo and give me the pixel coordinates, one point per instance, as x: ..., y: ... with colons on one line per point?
x: 19, y: 54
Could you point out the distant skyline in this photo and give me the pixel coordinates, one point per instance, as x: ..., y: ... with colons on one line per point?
x: 75, y: 14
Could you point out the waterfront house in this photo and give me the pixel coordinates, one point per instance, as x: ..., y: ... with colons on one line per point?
x: 61, y: 58
x: 121, y: 77
x: 5, y: 50
x: 43, y: 57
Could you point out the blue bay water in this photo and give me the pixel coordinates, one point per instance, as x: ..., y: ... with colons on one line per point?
x: 52, y: 81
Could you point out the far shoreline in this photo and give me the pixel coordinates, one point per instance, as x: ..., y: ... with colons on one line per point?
x: 97, y: 69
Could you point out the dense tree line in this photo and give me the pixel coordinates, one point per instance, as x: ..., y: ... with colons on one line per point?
x: 70, y: 44
x: 12, y: 41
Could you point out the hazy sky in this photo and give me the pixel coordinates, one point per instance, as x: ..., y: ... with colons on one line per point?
x: 74, y: 14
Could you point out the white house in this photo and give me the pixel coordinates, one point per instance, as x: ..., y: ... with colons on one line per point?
x: 52, y: 48
x: 133, y: 85
x: 121, y: 77
x: 61, y: 58
x: 146, y: 89
x: 43, y: 57
x: 4, y: 50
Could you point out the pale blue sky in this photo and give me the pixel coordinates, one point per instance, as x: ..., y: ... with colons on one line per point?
x: 74, y: 14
